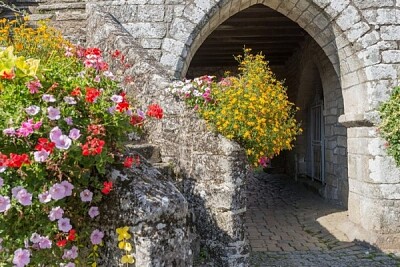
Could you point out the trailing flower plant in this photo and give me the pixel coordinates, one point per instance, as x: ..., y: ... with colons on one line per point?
x: 63, y: 119
x: 389, y: 127
x: 252, y: 108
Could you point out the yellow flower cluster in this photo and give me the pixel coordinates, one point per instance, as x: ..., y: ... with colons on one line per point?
x: 41, y: 40
x: 123, y: 244
x: 253, y: 109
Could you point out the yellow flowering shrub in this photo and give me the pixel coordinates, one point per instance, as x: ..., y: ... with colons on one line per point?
x: 252, y: 108
x: 42, y: 41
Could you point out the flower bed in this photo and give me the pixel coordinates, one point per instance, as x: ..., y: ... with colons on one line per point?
x: 63, y: 119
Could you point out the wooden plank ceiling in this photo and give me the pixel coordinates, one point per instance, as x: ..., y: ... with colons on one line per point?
x: 257, y: 27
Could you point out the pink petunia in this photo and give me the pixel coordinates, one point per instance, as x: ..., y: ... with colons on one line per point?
x: 34, y: 86
x: 64, y: 142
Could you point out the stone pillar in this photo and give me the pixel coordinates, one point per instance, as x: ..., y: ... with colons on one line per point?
x: 374, y: 190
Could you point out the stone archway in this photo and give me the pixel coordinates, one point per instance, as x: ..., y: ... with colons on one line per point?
x: 345, y: 34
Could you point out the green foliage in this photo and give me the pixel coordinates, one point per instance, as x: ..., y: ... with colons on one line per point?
x: 390, y: 125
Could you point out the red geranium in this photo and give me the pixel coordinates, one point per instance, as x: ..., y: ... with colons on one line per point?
x: 76, y: 91
x: 122, y: 106
x: 136, y: 120
x: 61, y: 243
x: 93, y: 146
x: 71, y: 235
x: 45, y: 144
x: 155, y: 111
x: 107, y: 186
x: 96, y: 129
x: 16, y: 161
x: 93, y: 51
x: 92, y: 94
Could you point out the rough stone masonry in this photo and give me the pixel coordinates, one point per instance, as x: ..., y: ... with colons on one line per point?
x: 360, y: 39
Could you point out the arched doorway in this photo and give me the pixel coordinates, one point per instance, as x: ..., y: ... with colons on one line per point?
x: 312, y: 84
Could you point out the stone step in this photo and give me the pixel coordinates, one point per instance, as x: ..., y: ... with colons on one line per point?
x: 165, y: 169
x: 149, y: 151
x: 61, y: 6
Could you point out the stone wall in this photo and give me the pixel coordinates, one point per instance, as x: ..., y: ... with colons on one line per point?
x: 212, y: 170
x: 156, y: 214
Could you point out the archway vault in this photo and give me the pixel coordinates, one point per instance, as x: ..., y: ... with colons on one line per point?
x: 310, y: 17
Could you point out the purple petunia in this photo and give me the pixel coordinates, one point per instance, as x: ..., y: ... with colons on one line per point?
x: 57, y: 191
x: 93, y: 212
x: 64, y: 225
x: 53, y: 113
x: 70, y: 100
x: 116, y: 98
x: 24, y: 197
x: 44, y: 242
x: 48, y: 98
x: 1, y: 182
x: 44, y: 197
x: 61, y: 141
x: 74, y: 134
x: 40, y: 241
x: 96, y: 237
x: 21, y: 257
x: 56, y: 213
x: 9, y: 131
x: 70, y: 254
x: 32, y: 110
x: 41, y: 156
x: 69, y: 121
x: 86, y: 195
x: 5, y: 203
x: 64, y: 142
x: 68, y: 188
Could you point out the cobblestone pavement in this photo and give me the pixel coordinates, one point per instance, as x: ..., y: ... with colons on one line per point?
x: 288, y: 226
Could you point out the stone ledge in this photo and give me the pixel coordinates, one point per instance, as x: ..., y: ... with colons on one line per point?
x: 350, y: 120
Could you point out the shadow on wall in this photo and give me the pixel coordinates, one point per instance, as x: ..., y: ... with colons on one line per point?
x: 209, y: 245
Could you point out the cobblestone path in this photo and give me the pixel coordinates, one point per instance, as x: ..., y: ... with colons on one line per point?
x: 288, y: 226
